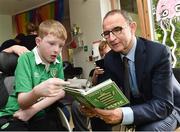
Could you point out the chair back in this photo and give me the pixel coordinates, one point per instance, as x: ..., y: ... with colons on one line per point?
x: 70, y: 71
x: 8, y: 62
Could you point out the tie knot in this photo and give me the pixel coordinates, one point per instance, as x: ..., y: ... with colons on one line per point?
x: 125, y: 59
x: 125, y: 62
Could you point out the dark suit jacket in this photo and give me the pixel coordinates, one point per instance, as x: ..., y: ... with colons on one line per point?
x: 154, y: 80
x: 176, y: 92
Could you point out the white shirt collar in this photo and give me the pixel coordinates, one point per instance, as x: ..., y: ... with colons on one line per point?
x: 131, y: 53
x: 38, y: 60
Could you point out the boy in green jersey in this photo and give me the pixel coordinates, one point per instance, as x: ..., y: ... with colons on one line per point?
x: 38, y: 83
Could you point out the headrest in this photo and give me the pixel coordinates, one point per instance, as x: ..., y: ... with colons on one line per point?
x: 8, y: 62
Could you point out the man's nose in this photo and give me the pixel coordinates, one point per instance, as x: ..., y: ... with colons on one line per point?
x: 112, y: 36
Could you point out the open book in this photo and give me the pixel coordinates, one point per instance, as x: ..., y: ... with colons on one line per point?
x: 105, y: 95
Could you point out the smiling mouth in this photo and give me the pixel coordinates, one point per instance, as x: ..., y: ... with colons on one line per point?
x: 115, y: 45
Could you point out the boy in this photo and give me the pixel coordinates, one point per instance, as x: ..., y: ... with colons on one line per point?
x: 38, y: 83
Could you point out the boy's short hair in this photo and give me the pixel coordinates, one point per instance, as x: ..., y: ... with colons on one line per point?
x: 52, y: 27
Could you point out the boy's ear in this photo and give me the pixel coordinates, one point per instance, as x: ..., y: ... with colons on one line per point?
x: 38, y: 41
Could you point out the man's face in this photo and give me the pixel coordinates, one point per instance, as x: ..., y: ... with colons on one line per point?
x: 49, y: 47
x: 119, y: 33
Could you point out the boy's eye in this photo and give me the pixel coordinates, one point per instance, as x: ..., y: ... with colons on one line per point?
x: 51, y: 43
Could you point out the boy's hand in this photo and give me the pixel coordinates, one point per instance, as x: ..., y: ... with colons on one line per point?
x: 50, y: 87
x: 24, y: 115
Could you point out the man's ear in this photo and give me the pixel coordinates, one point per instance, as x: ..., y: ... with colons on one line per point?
x: 38, y: 41
x: 133, y: 26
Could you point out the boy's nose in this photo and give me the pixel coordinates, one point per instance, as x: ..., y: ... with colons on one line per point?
x: 57, y: 49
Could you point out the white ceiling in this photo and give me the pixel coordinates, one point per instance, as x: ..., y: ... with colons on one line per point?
x: 12, y: 7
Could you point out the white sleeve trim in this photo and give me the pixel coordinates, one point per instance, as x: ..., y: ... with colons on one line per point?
x: 128, y: 117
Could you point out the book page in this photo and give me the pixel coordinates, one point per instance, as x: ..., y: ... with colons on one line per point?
x: 78, y: 83
x: 109, y: 81
x: 74, y: 90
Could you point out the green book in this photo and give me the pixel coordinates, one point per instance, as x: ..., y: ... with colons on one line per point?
x: 106, y: 95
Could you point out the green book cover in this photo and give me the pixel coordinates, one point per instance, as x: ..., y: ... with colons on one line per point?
x: 106, y: 95
x: 77, y: 94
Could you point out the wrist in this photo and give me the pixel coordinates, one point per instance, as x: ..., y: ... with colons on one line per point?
x: 35, y: 93
x: 33, y: 109
x: 95, y: 75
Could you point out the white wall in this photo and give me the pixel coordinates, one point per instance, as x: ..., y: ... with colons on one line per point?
x: 88, y: 15
x: 105, y: 7
x: 6, y: 31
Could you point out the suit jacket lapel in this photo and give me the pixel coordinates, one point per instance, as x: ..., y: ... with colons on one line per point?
x: 117, y: 72
x: 140, y: 61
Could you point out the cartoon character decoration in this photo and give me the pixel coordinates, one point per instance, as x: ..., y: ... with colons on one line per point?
x: 167, y: 12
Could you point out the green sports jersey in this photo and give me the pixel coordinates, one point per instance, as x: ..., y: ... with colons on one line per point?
x: 28, y: 74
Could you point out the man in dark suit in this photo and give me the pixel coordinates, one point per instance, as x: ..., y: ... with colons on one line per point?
x: 152, y: 103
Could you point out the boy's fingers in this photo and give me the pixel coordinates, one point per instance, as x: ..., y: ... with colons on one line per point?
x: 58, y: 82
x: 65, y: 83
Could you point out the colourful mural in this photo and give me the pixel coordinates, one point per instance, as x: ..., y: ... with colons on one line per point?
x: 53, y: 10
x: 168, y: 13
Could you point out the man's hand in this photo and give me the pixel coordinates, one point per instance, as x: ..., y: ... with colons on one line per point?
x: 89, y: 112
x: 110, y: 116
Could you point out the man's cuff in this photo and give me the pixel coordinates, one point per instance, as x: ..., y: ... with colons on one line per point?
x: 128, y: 117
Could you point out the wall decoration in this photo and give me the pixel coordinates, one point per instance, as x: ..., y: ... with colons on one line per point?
x: 53, y: 10
x: 167, y: 16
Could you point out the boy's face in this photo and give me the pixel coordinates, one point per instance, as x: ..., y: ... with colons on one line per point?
x: 49, y: 47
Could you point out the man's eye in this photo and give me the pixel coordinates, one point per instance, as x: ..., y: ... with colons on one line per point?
x: 117, y: 29
x: 106, y: 33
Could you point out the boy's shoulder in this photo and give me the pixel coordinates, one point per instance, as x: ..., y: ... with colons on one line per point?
x: 59, y: 58
x: 27, y: 55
